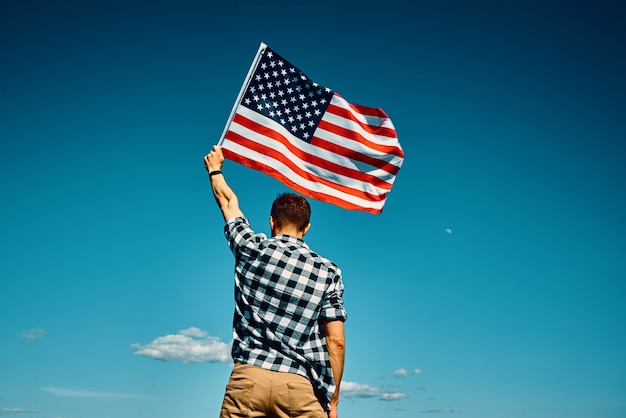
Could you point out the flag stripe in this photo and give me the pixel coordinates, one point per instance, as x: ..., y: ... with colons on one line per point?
x: 334, y: 147
x: 349, y: 118
x: 269, y: 141
x: 379, y: 124
x: 264, y: 125
x: 347, y: 125
x: 310, y: 158
x: 255, y: 156
x: 362, y: 205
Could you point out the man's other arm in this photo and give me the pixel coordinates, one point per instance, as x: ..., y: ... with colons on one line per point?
x: 336, y: 344
x: 224, y: 196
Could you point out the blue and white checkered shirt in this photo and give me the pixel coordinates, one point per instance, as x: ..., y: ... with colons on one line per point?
x: 283, y: 294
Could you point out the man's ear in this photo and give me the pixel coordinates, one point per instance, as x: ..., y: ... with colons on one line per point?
x: 306, y: 229
x: 271, y: 224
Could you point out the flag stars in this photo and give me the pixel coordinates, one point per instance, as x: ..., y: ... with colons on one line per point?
x: 286, y: 95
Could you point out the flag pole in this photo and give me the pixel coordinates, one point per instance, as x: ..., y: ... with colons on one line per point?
x: 244, y: 87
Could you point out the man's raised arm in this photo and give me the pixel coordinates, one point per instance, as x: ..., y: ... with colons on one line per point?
x: 224, y: 196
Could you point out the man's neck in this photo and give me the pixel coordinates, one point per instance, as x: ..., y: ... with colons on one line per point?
x: 289, y: 231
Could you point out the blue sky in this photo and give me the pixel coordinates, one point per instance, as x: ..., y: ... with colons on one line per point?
x: 492, y: 285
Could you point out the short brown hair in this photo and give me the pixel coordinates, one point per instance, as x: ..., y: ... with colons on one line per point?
x: 291, y: 209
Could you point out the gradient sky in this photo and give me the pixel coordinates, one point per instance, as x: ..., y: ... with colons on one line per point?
x: 493, y: 284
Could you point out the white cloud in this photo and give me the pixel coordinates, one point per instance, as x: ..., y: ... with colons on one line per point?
x: 193, y: 332
x: 353, y: 390
x: 357, y: 390
x: 73, y: 393
x: 15, y: 411
x: 33, y: 334
x: 401, y: 372
x: 393, y: 396
x: 405, y: 373
x: 191, y: 345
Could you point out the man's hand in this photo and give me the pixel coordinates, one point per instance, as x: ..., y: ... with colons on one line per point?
x: 214, y: 160
x: 333, y: 412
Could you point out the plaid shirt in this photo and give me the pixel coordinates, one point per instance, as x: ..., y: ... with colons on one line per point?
x: 283, y: 293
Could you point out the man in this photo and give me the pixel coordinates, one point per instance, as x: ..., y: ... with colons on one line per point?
x: 288, y: 334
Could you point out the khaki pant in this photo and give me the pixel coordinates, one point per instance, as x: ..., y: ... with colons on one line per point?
x: 253, y: 392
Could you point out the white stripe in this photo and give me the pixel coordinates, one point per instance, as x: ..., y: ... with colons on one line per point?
x: 309, y: 185
x: 312, y: 150
x: 362, y: 149
x: 373, y: 121
x: 310, y: 168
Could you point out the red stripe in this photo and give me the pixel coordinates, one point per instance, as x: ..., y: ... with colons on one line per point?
x: 271, y: 153
x: 255, y: 165
x: 375, y: 130
x: 366, y: 110
x: 355, y: 155
x: 310, y: 158
x: 348, y: 134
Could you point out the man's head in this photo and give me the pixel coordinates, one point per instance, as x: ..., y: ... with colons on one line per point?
x: 290, y: 214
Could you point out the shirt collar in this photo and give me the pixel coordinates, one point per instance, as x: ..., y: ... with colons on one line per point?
x: 291, y: 239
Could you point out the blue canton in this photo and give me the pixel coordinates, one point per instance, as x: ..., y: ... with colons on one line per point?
x: 283, y: 93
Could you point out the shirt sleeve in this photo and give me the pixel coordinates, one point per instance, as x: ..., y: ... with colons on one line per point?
x: 332, y: 307
x: 240, y: 235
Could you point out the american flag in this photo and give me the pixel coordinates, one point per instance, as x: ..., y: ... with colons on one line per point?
x: 310, y: 138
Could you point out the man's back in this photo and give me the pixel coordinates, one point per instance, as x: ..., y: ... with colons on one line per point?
x: 283, y: 291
